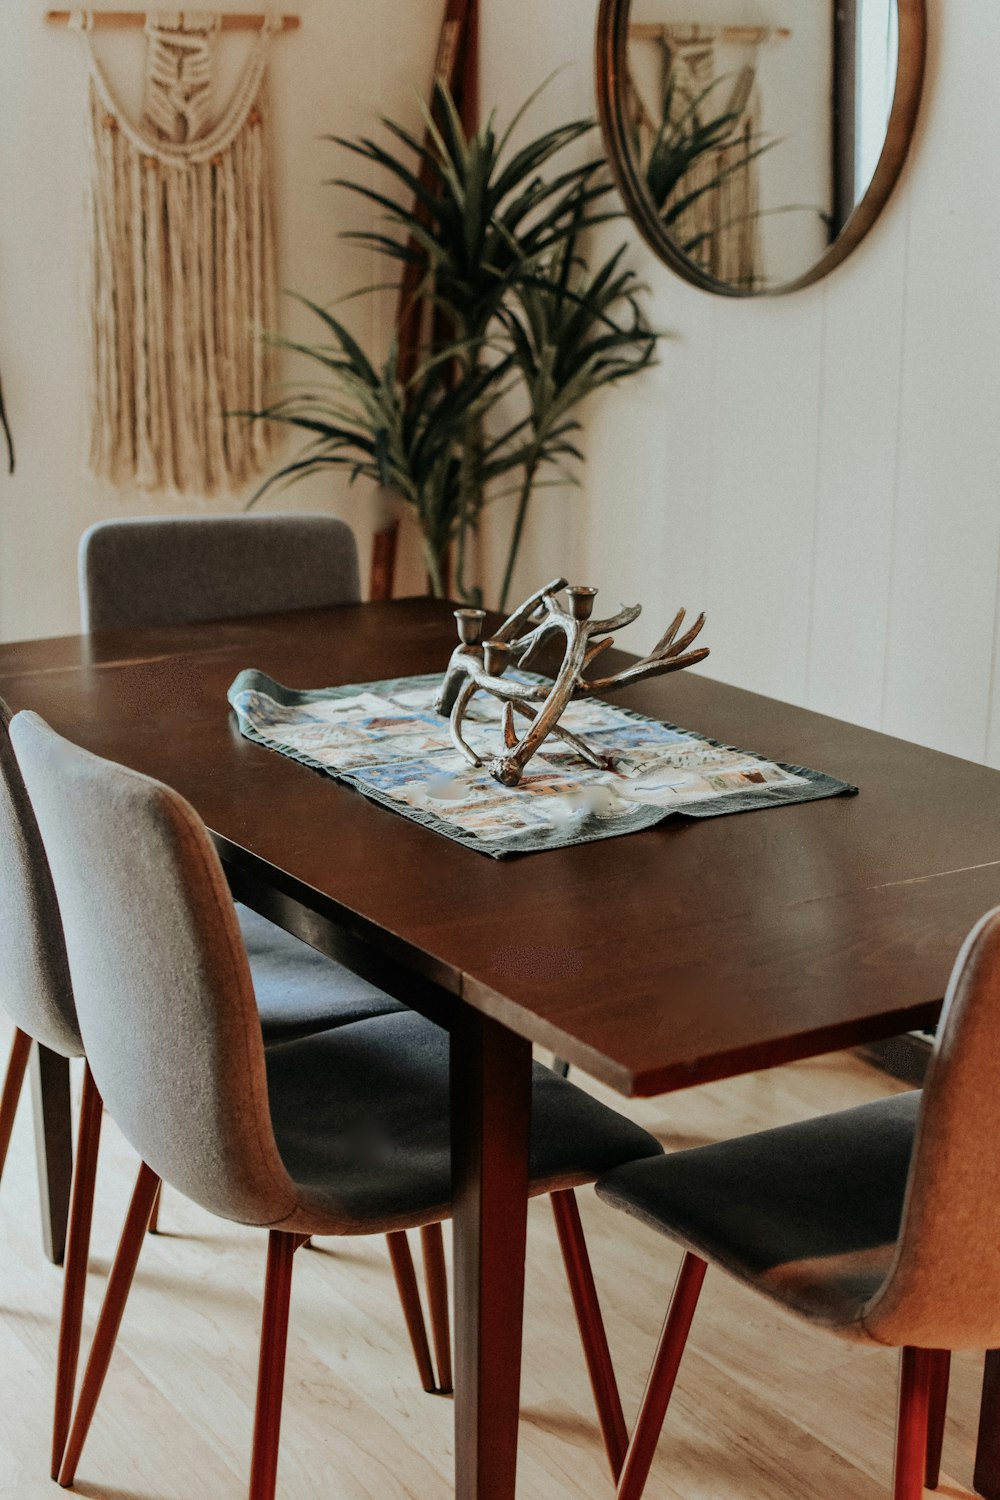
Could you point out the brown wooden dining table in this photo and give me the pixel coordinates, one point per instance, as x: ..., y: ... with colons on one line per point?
x: 693, y: 951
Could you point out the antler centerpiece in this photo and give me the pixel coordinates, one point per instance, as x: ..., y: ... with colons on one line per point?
x: 480, y: 666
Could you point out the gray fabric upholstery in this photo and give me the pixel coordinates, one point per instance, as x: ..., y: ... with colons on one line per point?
x: 169, y: 1019
x: 163, y: 571
x: 161, y: 979
x: 808, y: 1213
x: 361, y: 1117
x: 943, y: 1291
x: 35, y: 988
x: 298, y: 990
x: 883, y: 1223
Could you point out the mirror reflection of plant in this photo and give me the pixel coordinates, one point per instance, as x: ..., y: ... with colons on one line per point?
x: 482, y: 225
x: 572, y: 332
x: 685, y: 138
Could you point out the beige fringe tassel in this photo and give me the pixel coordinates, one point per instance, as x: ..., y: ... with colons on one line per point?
x: 182, y: 271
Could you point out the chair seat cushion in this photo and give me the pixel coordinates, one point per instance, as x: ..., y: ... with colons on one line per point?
x: 807, y: 1213
x: 361, y: 1118
x: 298, y: 990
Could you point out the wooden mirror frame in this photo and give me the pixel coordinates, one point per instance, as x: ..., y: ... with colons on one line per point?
x: 611, y: 70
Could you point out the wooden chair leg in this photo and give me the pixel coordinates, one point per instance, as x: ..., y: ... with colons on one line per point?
x: 13, y: 1082
x: 937, y: 1411
x: 115, y: 1297
x: 53, y: 1120
x: 281, y: 1247
x: 77, y: 1254
x: 153, y: 1227
x: 409, y: 1296
x: 591, y: 1326
x: 660, y: 1385
x: 436, y: 1282
x: 911, y: 1426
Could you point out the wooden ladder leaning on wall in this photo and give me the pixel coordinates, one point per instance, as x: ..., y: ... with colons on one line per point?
x: 457, y: 67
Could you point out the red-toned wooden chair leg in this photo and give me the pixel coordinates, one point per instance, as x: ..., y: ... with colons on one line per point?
x: 17, y: 1066
x: 281, y: 1247
x: 937, y: 1411
x: 436, y: 1282
x: 77, y: 1254
x: 153, y: 1227
x: 591, y: 1326
x: 409, y: 1296
x: 911, y: 1426
x: 115, y: 1297
x: 660, y: 1384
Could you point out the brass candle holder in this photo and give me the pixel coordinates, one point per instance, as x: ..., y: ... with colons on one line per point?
x: 480, y: 666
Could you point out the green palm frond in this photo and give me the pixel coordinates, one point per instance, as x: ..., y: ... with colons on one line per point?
x: 488, y: 239
x: 488, y: 213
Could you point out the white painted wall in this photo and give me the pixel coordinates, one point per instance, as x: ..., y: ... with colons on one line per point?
x: 350, y: 61
x: 821, y: 472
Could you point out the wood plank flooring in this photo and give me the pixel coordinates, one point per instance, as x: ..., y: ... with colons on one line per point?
x: 764, y: 1409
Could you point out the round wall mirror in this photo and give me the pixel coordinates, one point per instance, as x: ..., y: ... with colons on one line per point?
x: 755, y: 142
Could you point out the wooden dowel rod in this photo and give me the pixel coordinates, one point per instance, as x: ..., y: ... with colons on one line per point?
x: 656, y: 31
x: 106, y: 20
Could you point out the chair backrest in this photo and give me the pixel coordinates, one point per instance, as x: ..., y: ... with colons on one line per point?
x: 171, y: 570
x: 943, y: 1289
x: 161, y: 978
x: 35, y: 988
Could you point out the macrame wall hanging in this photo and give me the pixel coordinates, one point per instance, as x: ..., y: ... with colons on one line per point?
x: 181, y: 267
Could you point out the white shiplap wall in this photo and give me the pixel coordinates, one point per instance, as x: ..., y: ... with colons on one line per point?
x: 821, y: 472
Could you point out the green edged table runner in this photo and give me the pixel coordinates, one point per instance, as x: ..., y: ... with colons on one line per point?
x: 386, y: 739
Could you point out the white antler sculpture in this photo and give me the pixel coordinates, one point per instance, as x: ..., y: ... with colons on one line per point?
x: 479, y: 666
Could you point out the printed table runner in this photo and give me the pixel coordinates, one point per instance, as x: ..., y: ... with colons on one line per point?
x: 386, y: 739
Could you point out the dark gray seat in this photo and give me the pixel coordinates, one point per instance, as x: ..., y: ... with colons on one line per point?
x: 343, y: 1132
x: 880, y: 1224
x: 809, y: 1213
x: 361, y: 1122
x: 299, y: 990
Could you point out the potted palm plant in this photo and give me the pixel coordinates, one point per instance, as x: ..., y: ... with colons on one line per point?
x: 515, y: 322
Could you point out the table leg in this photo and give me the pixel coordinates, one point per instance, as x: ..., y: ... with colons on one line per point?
x: 491, y: 1113
x: 53, y: 1145
x: 987, y: 1476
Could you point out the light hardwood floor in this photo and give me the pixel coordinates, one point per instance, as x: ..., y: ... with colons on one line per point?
x: 764, y: 1409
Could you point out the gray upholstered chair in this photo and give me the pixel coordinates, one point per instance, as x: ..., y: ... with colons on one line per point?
x: 298, y: 992
x: 179, y: 569
x: 344, y: 1132
x: 175, y: 569
x: 151, y: 571
x: 38, y: 997
x: 880, y: 1224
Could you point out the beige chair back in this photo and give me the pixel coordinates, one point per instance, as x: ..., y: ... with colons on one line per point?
x: 943, y: 1290
x: 162, y: 984
x: 35, y: 988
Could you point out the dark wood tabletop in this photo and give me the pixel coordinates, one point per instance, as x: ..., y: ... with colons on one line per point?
x: 694, y: 950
